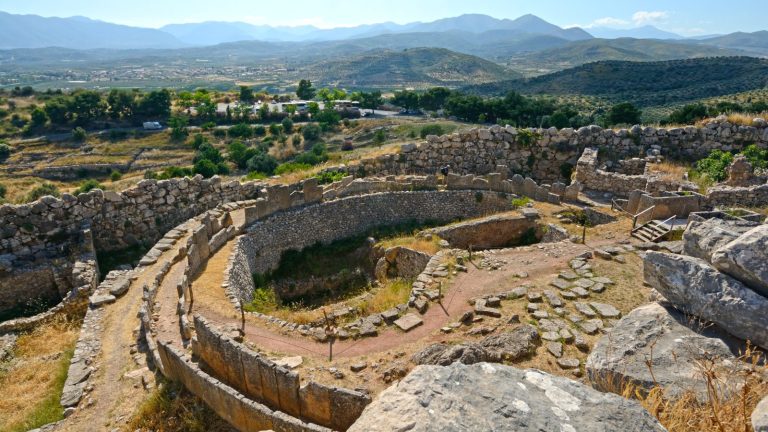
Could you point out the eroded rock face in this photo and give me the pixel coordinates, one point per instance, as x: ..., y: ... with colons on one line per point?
x: 746, y: 259
x: 760, y: 416
x: 508, y: 346
x: 695, y: 287
x: 670, y: 340
x: 702, y: 239
x: 491, y: 397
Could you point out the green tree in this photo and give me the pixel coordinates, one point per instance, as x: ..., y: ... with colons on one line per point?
x: 241, y: 130
x: 178, y: 125
x: 3, y: 192
x: 86, y: 106
x: 623, y: 113
x: 311, y: 132
x: 5, y: 151
x: 305, y: 91
x: 41, y: 191
x: 206, y: 168
x: 715, y: 165
x: 38, y: 118
x: 406, y: 99
x: 275, y: 129
x: 155, y: 104
x: 370, y: 100
x: 329, y: 116
x: 88, y: 186
x: 434, y: 98
x: 262, y: 163
x: 246, y: 94
x: 209, y: 152
x: 122, y: 104
x: 313, y: 108
x: 239, y: 153
x: 287, y: 125
x: 57, y: 111
x: 379, y: 137
x: 79, y: 134
x: 689, y: 114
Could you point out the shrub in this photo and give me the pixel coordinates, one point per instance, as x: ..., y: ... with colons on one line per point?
x: 79, y: 134
x: 287, y: 125
x: 311, y: 132
x: 259, y: 130
x: 254, y: 175
x: 263, y: 163
x: 115, y: 175
x: 715, y: 165
x: 88, y: 186
x: 173, y: 172
x: 239, y: 153
x: 433, y: 129
x: 330, y: 176
x: 275, y: 129
x: 207, y: 151
x: 623, y: 113
x: 379, y: 137
x: 756, y: 156
x: 318, y: 154
x: 41, y: 191
x: 219, y: 133
x: 3, y: 191
x: 206, y: 168
x: 208, y: 126
x: 5, y: 151
x: 241, y: 130
x: 520, y: 202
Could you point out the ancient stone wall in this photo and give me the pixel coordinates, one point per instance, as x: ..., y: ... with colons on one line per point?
x: 546, y: 154
x: 267, y: 240
x: 490, y: 232
x: 261, y: 380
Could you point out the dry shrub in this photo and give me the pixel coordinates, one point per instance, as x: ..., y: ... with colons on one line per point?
x: 391, y: 294
x: 721, y: 412
x: 429, y: 246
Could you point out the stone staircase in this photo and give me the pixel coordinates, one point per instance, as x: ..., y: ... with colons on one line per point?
x: 653, y: 231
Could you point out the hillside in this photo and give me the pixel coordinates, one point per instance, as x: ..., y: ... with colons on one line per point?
x: 755, y: 43
x: 419, y: 67
x: 32, y: 31
x: 645, y: 84
x: 625, y: 49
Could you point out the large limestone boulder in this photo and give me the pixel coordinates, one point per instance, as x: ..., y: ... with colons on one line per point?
x: 444, y: 354
x: 508, y: 346
x: 702, y: 239
x: 746, y: 259
x: 672, y: 342
x: 760, y: 416
x: 696, y: 288
x: 492, y: 397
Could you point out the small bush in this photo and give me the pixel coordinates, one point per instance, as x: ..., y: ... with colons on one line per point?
x: 433, y: 129
x: 79, y: 134
x: 311, y: 132
x: 207, y: 126
x: 41, y: 191
x: 520, y: 202
x: 115, y: 176
x: 259, y: 130
x: 3, y: 191
x: 206, y: 168
x: 715, y: 165
x: 5, y: 151
x: 318, y: 154
x: 174, y: 172
x: 241, y: 130
x: 290, y: 167
x: 287, y: 125
x: 263, y: 163
x: 327, y: 177
x: 88, y: 186
x: 254, y: 175
x: 219, y: 133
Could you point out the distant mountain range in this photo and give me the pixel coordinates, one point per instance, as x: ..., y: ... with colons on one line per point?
x: 643, y: 32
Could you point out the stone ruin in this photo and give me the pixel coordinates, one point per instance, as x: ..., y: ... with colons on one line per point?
x: 719, y: 277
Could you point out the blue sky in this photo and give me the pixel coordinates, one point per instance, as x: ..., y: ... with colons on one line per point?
x: 688, y: 17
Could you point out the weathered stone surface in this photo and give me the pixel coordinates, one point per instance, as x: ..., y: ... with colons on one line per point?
x: 695, y: 287
x: 486, y: 397
x: 702, y: 239
x: 568, y: 363
x: 444, y: 354
x: 605, y: 310
x: 672, y: 343
x: 409, y: 322
x: 512, y: 345
x: 760, y: 416
x: 746, y: 259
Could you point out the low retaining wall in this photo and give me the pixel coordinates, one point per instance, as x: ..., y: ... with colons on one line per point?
x: 490, y: 232
x: 262, y: 380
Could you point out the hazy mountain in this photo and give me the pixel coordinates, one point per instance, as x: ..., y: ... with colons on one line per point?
x: 644, y: 32
x: 32, y: 31
x: 645, y: 83
x: 755, y: 43
x: 210, y: 33
x: 626, y: 49
x: 417, y: 67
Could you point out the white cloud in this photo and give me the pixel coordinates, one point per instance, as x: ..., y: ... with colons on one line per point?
x: 646, y: 17
x: 608, y: 22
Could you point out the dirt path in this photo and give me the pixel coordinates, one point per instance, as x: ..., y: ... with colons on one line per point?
x: 537, y: 260
x: 116, y: 395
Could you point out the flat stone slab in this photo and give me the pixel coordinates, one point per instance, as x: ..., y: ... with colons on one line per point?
x: 555, y: 348
x: 603, y: 280
x: 568, y: 363
x: 584, y: 283
x: 540, y: 314
x: 588, y: 327
x: 390, y: 315
x: 550, y: 336
x: 290, y: 362
x: 120, y: 287
x: 517, y: 293
x: 409, y: 322
x: 560, y: 284
x: 99, y: 300
x: 606, y: 310
x: 568, y: 275
x: 597, y: 288
x: 568, y: 295
x: 553, y: 299
x: 580, y: 292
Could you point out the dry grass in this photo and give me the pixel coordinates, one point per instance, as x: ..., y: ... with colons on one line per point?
x: 670, y: 171
x: 171, y: 408
x: 718, y: 412
x: 429, y: 246
x: 391, y: 294
x: 33, y: 380
x: 741, y: 119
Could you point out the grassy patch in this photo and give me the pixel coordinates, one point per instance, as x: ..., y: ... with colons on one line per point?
x: 32, y: 382
x: 171, y: 408
x: 391, y: 294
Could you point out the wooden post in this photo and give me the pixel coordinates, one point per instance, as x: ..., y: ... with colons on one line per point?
x: 191, y: 299
x: 242, y: 318
x: 440, y: 293
x: 584, y: 234
x: 470, y: 253
x: 329, y: 331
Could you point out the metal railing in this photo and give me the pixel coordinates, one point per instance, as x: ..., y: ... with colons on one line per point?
x: 645, y: 213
